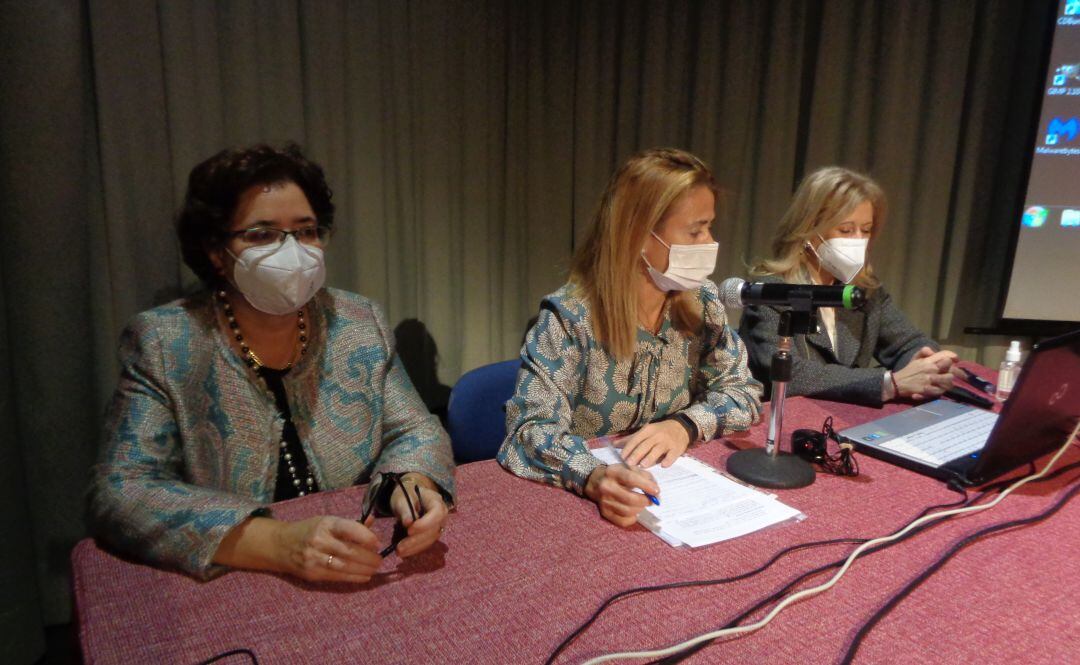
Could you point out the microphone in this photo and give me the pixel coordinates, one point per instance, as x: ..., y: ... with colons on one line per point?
x: 736, y: 293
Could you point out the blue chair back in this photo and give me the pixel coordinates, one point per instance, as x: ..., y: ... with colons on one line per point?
x: 475, y: 417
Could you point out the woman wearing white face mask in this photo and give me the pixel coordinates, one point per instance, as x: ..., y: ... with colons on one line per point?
x: 635, y: 345
x: 261, y: 388
x: 867, y: 356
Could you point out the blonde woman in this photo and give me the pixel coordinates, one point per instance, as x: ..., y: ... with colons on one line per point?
x: 868, y: 356
x: 635, y: 344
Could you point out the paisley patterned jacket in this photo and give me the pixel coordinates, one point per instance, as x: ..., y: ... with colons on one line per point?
x: 191, y: 434
x: 571, y: 389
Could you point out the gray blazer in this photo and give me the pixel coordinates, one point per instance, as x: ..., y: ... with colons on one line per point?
x: 870, y: 341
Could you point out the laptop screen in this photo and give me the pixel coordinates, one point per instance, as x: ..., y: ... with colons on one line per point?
x: 1040, y: 413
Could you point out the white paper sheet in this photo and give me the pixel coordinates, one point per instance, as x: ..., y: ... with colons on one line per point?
x: 699, y: 506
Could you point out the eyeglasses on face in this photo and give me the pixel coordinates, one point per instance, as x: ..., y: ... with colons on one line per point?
x: 262, y: 236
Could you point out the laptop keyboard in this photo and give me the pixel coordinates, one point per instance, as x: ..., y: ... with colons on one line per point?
x: 947, y: 440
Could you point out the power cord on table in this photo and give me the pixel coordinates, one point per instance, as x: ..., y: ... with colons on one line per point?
x: 813, y: 591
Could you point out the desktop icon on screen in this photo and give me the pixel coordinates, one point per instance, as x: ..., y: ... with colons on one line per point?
x: 1062, y: 130
x: 1034, y: 217
x: 1065, y: 72
x: 1070, y: 217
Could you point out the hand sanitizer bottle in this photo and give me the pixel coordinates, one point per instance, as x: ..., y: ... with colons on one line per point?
x: 1008, y: 371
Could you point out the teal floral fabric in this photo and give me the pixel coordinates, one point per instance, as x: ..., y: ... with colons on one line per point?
x: 570, y: 389
x: 192, y: 433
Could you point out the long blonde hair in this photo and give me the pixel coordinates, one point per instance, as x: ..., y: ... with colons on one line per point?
x: 824, y: 199
x: 636, y: 200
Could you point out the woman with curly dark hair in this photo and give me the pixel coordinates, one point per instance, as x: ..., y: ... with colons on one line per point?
x: 263, y: 387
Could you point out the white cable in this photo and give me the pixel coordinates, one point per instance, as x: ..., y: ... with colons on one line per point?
x: 813, y: 591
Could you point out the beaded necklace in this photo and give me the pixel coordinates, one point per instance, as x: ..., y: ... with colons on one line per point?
x: 302, y: 486
x: 250, y: 358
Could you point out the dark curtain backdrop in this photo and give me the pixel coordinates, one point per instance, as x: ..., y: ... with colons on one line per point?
x: 467, y: 142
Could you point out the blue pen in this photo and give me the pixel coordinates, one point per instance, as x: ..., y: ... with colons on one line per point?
x: 650, y: 497
x: 656, y: 502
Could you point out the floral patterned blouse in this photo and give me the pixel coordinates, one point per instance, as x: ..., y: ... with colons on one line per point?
x: 570, y: 389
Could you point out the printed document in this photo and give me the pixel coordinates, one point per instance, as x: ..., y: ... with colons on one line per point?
x: 699, y: 506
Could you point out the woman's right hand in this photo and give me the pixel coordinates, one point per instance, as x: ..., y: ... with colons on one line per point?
x: 318, y: 549
x: 611, y: 487
x: 328, y: 549
x: 929, y: 374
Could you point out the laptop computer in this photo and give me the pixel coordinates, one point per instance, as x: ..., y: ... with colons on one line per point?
x: 953, y: 441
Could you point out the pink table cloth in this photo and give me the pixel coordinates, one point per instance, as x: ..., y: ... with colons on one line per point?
x: 522, y: 565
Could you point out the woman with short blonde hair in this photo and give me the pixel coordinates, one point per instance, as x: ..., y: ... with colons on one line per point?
x: 867, y: 356
x: 635, y: 344
x: 826, y: 198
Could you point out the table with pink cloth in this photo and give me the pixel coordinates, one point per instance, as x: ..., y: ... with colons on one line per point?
x: 521, y: 565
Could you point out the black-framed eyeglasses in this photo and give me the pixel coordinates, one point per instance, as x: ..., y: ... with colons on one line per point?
x: 391, y: 481
x: 261, y: 236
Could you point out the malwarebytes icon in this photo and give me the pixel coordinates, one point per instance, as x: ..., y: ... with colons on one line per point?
x: 1062, y: 131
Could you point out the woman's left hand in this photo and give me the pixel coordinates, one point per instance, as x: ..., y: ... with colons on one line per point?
x: 425, y: 531
x: 666, y: 439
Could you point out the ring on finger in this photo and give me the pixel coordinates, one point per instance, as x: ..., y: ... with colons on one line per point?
x: 330, y: 561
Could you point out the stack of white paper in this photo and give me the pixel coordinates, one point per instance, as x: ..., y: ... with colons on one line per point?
x: 699, y: 506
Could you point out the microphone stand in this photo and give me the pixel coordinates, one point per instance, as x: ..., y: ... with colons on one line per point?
x: 768, y: 467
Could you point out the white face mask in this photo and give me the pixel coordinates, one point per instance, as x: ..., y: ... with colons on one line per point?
x: 279, y: 279
x: 843, y: 257
x: 688, y: 266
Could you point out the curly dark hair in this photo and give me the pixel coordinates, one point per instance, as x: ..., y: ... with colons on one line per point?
x: 215, y: 186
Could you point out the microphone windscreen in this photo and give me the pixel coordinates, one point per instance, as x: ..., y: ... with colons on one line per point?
x: 731, y: 292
